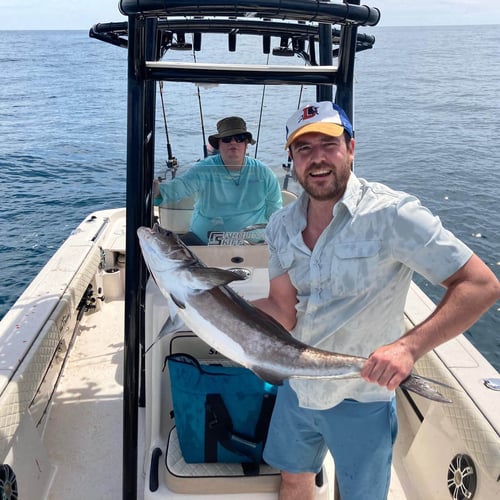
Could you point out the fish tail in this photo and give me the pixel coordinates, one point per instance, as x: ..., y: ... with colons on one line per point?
x: 424, y: 387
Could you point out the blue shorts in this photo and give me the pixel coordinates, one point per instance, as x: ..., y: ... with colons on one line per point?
x: 360, y: 437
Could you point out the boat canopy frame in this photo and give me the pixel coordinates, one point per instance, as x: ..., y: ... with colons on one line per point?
x: 154, y: 27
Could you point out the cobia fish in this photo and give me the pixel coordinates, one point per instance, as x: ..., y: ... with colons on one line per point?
x: 237, y: 329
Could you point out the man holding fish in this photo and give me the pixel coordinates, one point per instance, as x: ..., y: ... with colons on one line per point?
x: 341, y: 262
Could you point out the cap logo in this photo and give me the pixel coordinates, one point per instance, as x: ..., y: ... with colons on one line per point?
x: 309, y: 112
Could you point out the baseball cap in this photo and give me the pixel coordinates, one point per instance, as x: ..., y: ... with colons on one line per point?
x: 325, y: 117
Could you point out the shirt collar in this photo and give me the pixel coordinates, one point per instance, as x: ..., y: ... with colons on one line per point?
x: 351, y: 196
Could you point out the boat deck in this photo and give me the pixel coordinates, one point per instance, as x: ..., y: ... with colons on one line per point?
x: 87, y: 410
x: 78, y: 453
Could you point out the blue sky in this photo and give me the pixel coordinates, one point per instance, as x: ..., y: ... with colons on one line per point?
x: 71, y: 14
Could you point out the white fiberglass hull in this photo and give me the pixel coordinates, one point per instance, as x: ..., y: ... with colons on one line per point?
x: 62, y: 435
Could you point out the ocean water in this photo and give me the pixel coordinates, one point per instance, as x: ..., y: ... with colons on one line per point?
x: 427, y: 115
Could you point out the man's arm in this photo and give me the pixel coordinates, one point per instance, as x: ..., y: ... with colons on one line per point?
x: 280, y: 303
x: 471, y: 291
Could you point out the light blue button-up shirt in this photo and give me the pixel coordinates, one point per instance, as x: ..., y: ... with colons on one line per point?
x: 224, y: 200
x: 352, y: 287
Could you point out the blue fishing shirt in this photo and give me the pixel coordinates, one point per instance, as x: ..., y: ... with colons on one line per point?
x: 225, y: 201
x: 352, y: 287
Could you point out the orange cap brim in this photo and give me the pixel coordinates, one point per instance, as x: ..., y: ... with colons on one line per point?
x: 332, y: 129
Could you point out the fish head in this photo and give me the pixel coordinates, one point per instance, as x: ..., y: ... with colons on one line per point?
x: 162, y: 250
x: 175, y: 269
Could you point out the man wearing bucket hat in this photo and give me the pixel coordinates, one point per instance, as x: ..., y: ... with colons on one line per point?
x: 341, y: 263
x: 232, y: 190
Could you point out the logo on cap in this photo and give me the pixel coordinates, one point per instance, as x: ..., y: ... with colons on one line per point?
x: 309, y: 112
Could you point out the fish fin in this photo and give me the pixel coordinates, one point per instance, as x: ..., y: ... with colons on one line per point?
x: 267, y: 376
x: 177, y: 302
x: 172, y: 324
x: 173, y: 308
x: 433, y: 381
x: 207, y: 278
x: 423, y: 387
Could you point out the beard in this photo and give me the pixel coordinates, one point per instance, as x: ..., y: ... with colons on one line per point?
x: 329, y: 187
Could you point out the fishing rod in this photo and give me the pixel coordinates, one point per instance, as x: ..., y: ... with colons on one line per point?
x: 200, y: 107
x: 172, y: 160
x: 260, y: 114
x: 287, y: 167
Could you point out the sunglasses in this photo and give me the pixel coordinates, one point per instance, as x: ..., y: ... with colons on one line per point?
x: 238, y: 138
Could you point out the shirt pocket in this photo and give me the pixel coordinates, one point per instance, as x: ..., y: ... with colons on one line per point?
x: 354, y: 266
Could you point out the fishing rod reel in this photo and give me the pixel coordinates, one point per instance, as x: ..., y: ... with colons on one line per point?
x: 172, y: 166
x: 289, y: 173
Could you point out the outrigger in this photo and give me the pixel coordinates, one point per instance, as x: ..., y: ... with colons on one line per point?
x: 85, y: 402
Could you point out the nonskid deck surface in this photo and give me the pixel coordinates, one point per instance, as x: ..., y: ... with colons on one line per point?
x: 84, y: 432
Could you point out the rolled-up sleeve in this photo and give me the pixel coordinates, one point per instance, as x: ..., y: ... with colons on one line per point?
x: 423, y: 244
x: 274, y: 265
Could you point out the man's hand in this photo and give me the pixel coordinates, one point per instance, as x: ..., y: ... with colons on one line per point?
x: 388, y: 365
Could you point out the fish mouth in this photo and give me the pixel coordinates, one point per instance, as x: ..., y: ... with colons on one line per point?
x: 157, y: 229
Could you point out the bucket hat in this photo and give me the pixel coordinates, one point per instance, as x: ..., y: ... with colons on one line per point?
x: 325, y: 117
x: 232, y: 125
